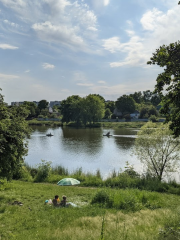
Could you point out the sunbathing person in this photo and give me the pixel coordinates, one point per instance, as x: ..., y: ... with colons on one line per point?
x: 63, y: 203
x: 56, y: 201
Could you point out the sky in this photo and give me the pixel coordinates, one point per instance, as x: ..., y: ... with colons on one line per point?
x: 52, y: 49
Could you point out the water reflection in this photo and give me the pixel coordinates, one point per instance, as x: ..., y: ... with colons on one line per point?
x: 87, y: 141
x: 86, y: 148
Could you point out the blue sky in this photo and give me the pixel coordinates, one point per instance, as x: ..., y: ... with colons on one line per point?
x: 52, y: 49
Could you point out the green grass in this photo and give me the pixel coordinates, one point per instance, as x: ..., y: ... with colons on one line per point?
x: 34, y: 220
x: 123, y: 124
x: 44, y: 123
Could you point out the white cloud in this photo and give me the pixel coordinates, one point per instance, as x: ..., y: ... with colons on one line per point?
x: 27, y: 71
x: 7, y: 76
x: 106, y: 2
x: 7, y: 46
x: 112, y: 44
x: 58, y: 34
x: 149, y: 19
x: 100, y: 3
x: 161, y: 28
x: 10, y: 23
x: 85, y: 84
x: 61, y: 22
x: 48, y: 66
x: 57, y: 6
x: 102, y: 82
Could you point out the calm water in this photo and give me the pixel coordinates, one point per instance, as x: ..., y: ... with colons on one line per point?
x: 86, y: 148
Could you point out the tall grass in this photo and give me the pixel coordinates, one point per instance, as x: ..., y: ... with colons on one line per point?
x: 34, y: 220
x: 121, y: 180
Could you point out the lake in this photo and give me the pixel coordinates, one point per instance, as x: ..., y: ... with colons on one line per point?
x: 86, y: 148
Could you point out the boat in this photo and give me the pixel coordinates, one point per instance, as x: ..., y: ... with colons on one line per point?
x: 49, y: 135
x: 107, y: 134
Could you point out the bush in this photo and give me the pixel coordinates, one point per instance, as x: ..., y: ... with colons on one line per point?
x: 153, y: 118
x: 43, y: 171
x: 102, y: 198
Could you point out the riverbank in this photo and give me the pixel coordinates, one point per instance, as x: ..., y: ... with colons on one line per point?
x: 112, y: 125
x: 132, y: 214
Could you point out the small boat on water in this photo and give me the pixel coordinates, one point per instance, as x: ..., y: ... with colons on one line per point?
x: 49, y: 135
x: 107, y: 134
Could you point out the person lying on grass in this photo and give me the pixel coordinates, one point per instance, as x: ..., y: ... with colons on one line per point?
x: 56, y: 201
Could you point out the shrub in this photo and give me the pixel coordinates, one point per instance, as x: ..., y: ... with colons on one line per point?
x: 102, y: 198
x: 43, y: 171
x: 153, y: 118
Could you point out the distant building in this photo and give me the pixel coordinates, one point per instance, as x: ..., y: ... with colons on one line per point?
x: 16, y: 103
x: 117, y: 113
x: 54, y: 103
x: 135, y: 114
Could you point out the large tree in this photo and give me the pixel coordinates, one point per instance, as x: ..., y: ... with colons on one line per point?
x: 42, y: 104
x: 137, y: 96
x: 125, y: 104
x: 33, y: 109
x: 157, y: 149
x: 95, y: 108
x: 71, y: 109
x: 13, y: 132
x: 168, y: 83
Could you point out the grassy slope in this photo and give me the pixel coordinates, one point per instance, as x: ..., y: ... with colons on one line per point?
x: 34, y: 220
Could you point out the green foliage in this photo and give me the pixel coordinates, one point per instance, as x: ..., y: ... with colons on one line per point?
x: 34, y: 220
x: 147, y: 111
x: 43, y: 104
x: 157, y: 149
x: 108, y: 113
x: 125, y: 104
x: 137, y: 96
x: 171, y: 229
x: 110, y: 105
x: 153, y: 118
x: 89, y: 109
x: 33, y: 109
x: 167, y: 85
x: 44, y: 169
x: 13, y: 133
x: 127, y: 200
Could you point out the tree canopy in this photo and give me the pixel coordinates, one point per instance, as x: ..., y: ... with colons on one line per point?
x: 77, y: 109
x: 168, y: 83
x: 13, y: 132
x: 42, y: 104
x: 157, y: 149
x: 125, y: 104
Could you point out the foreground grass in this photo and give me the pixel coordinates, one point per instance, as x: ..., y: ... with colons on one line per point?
x: 34, y: 220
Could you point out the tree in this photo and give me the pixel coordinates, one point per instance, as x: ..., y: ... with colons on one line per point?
x: 168, y: 83
x: 137, y: 96
x: 33, y: 109
x: 157, y: 149
x: 13, y: 132
x: 155, y: 99
x: 147, y: 96
x: 71, y: 109
x: 108, y: 113
x: 125, y: 104
x: 147, y: 111
x: 110, y: 105
x: 43, y: 104
x: 95, y: 107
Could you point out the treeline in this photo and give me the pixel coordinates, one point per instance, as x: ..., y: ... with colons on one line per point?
x: 92, y: 108
x: 39, y: 110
